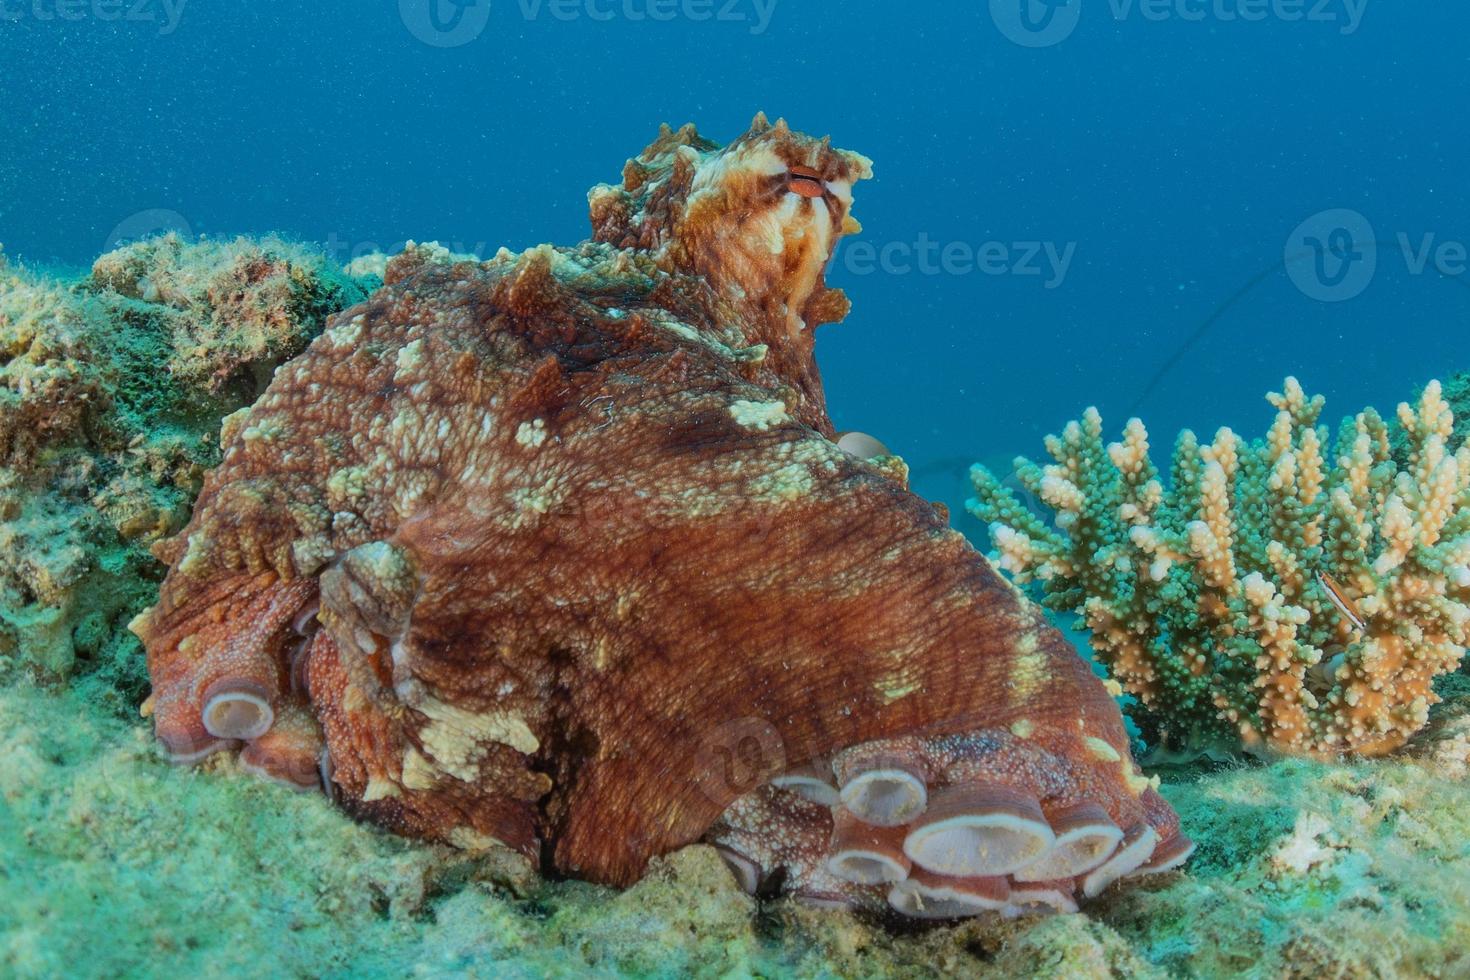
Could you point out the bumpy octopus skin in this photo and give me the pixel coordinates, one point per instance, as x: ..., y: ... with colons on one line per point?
x: 558, y: 553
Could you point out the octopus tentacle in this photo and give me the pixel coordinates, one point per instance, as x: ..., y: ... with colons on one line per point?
x: 1136, y: 847
x: 864, y: 853
x: 1021, y: 846
x: 927, y: 895
x: 812, y: 781
x: 1085, y: 837
x: 289, y: 752
x: 228, y: 676
x: 884, y: 782
x: 1174, y: 847
x: 383, y: 770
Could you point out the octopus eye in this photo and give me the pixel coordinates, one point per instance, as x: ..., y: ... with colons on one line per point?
x: 805, y: 181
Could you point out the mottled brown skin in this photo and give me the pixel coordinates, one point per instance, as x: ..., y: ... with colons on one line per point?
x: 589, y: 500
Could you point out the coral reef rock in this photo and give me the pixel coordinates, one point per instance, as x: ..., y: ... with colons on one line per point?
x: 1271, y: 594
x: 111, y: 391
x: 1305, y: 869
x: 559, y: 550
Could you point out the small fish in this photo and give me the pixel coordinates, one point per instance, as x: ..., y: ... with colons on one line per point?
x: 1340, y: 599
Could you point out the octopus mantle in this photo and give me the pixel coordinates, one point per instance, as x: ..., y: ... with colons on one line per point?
x: 559, y: 553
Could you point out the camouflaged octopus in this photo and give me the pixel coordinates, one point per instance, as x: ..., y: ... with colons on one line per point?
x: 559, y: 554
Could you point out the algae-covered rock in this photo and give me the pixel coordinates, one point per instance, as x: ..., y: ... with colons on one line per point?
x: 232, y: 310
x: 1313, y: 869
x: 184, y: 872
x: 1304, y: 869
x: 212, y: 872
x: 111, y: 393
x: 687, y: 908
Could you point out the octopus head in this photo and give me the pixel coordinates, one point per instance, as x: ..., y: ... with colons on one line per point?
x: 758, y: 219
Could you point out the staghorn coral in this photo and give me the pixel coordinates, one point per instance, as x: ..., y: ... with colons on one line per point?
x: 1210, y: 600
x: 559, y: 551
x: 101, y: 452
x: 1455, y: 391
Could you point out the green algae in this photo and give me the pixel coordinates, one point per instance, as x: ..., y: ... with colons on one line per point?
x: 211, y: 872
x: 1304, y: 869
x: 1357, y: 870
x: 112, y: 388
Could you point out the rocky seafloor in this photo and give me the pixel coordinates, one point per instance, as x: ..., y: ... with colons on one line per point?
x: 113, y: 863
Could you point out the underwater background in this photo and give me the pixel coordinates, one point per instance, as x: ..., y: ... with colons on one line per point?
x: 1126, y: 190
x: 1157, y: 207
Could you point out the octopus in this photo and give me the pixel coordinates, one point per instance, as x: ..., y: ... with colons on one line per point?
x: 558, y: 556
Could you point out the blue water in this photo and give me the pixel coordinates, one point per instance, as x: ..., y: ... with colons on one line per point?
x: 1171, y: 149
